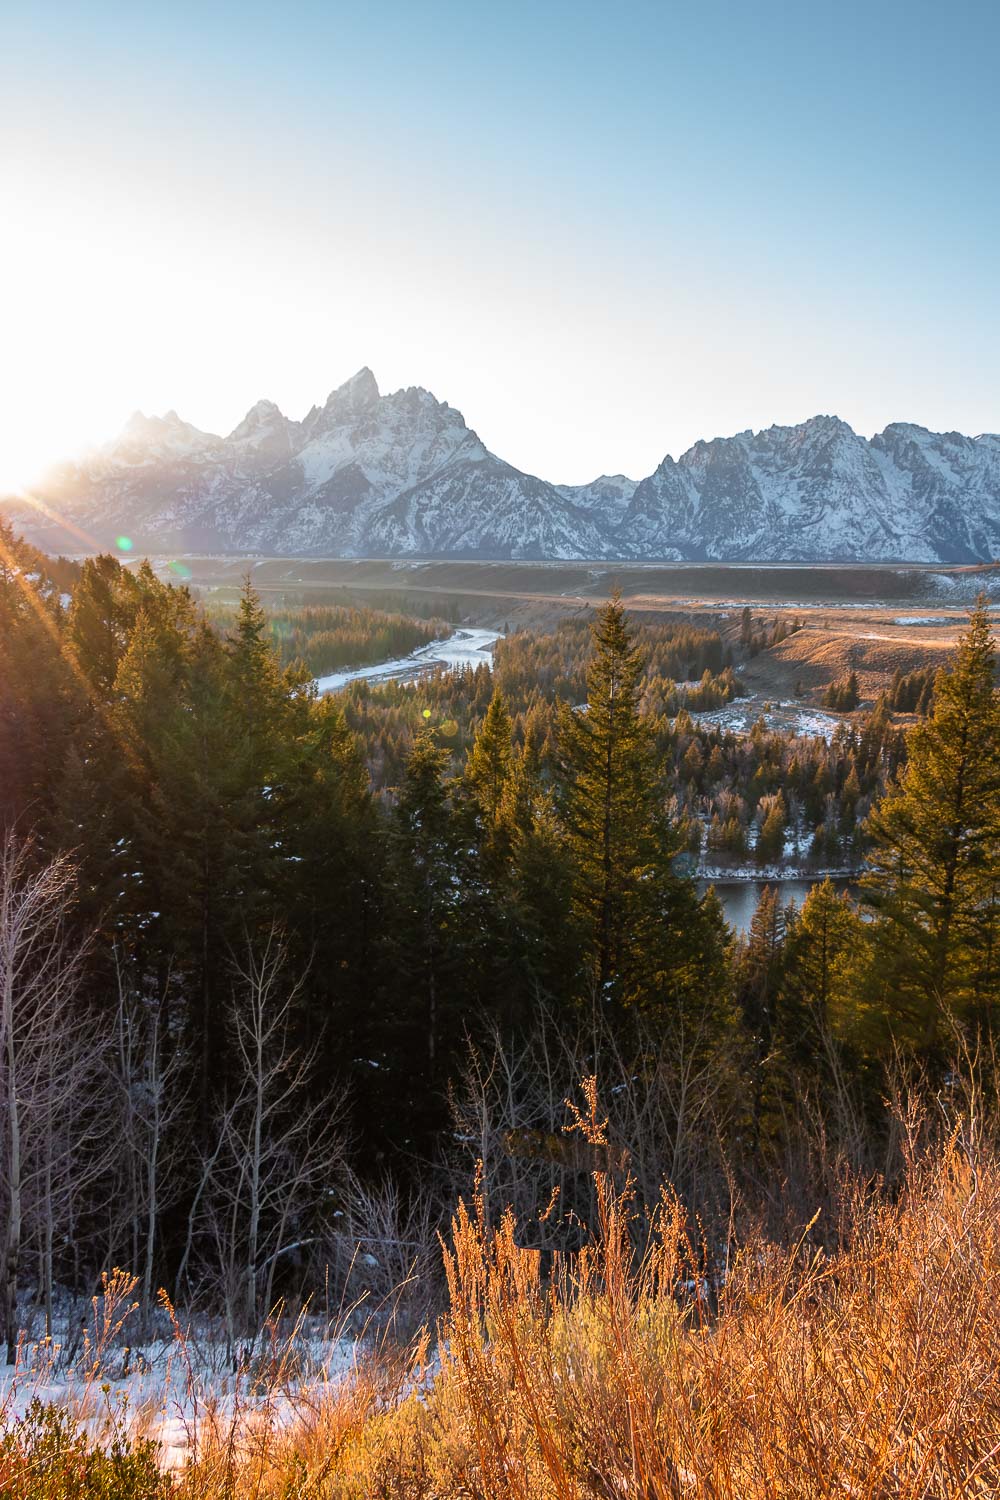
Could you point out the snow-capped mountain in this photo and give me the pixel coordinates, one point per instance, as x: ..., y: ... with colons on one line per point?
x: 818, y: 492
x: 399, y: 474
x: 402, y: 475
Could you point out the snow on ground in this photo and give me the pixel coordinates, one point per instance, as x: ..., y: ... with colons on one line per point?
x: 774, y: 874
x: 173, y: 1388
x: 739, y: 717
x: 464, y: 648
x: 962, y: 588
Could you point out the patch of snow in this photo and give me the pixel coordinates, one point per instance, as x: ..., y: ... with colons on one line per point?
x: 739, y: 717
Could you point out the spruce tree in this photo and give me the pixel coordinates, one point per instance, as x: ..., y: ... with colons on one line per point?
x: 822, y: 939
x: 610, y: 801
x: 935, y: 861
x: 760, y: 973
x: 643, y: 932
x: 490, y: 784
x: 44, y: 698
x: 430, y: 934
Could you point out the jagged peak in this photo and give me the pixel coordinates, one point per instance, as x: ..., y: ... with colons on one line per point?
x: 147, y: 428
x: 262, y: 414
x: 356, y: 394
x: 913, y: 431
x: 824, y: 422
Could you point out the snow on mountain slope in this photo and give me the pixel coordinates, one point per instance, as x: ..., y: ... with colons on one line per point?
x: 818, y: 492
x: 402, y: 475
x: 608, y: 495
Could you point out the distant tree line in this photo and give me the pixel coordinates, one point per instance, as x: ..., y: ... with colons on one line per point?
x: 326, y: 638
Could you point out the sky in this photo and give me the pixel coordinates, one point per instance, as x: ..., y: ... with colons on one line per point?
x: 600, y: 231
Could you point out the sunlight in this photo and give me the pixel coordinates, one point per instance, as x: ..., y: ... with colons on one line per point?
x: 90, y: 542
x: 23, y: 459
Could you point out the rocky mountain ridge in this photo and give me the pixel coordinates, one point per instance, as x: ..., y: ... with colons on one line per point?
x: 402, y: 475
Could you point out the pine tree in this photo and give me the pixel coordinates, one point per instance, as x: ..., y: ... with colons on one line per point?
x: 100, y: 618
x: 771, y: 840
x: 816, y: 999
x: 610, y: 803
x: 490, y: 783
x: 430, y: 935
x: 44, y: 707
x: 935, y: 862
x: 644, y: 937
x: 332, y: 887
x: 759, y: 978
x: 542, y: 891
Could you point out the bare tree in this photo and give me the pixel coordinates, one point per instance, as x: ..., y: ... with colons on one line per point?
x: 277, y: 1149
x: 379, y: 1259
x: 47, y: 1060
x: 146, y: 1073
x: 668, y: 1095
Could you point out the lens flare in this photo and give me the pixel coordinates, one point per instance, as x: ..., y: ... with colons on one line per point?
x: 124, y: 543
x: 180, y: 569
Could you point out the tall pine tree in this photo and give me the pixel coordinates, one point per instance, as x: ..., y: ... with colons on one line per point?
x: 935, y: 862
x: 641, y: 926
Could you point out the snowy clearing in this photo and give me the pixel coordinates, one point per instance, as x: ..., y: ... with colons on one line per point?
x: 740, y: 716
x: 172, y: 1390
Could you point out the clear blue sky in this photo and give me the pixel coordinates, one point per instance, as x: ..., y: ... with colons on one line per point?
x: 600, y: 231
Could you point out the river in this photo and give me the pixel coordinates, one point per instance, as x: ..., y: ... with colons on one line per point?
x: 463, y: 648
x: 471, y: 648
x: 740, y: 897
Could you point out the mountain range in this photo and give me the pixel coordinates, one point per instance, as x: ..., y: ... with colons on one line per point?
x: 402, y: 475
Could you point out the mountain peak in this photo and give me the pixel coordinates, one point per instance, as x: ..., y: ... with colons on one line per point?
x: 151, y: 429
x: 357, y: 394
x: 263, y: 416
x: 402, y: 475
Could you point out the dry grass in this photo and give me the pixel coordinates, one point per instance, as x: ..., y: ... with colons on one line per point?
x: 872, y: 1373
x: 820, y: 654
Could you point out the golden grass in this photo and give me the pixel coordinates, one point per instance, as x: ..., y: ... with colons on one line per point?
x: 818, y: 655
x: 871, y: 1373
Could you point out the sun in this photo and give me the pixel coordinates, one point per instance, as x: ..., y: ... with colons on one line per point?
x: 24, y: 457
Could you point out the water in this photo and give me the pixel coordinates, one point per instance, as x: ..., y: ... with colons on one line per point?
x: 469, y: 648
x: 463, y: 648
x: 740, y: 897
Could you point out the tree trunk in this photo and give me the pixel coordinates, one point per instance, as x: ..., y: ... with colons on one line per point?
x: 12, y: 1243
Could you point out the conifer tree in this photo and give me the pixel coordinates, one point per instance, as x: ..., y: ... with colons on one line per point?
x: 547, y: 932
x: 610, y: 801
x: 760, y: 975
x: 821, y: 941
x: 101, y: 615
x: 645, y: 938
x: 771, y: 840
x: 332, y: 886
x: 430, y: 935
x: 935, y: 861
x: 43, y: 695
x: 490, y: 777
